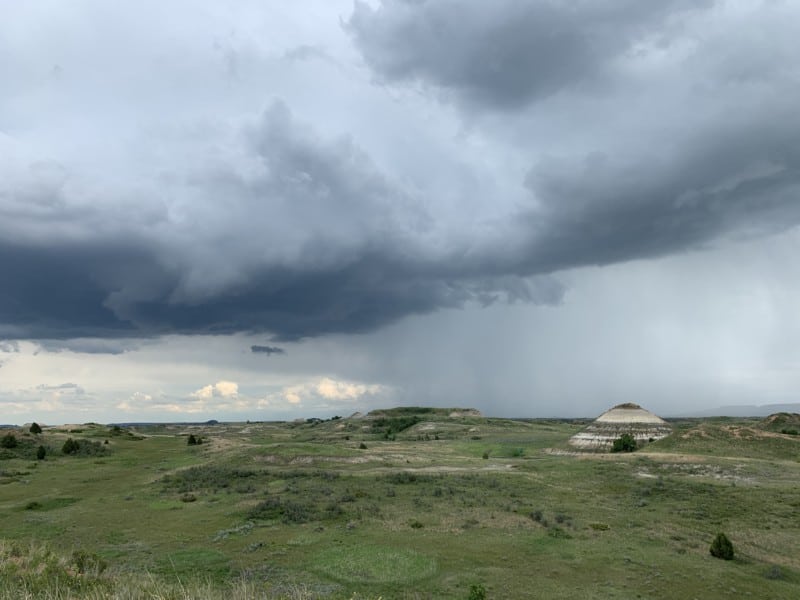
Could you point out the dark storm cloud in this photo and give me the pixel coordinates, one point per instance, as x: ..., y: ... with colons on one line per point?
x: 312, y: 239
x: 268, y: 350
x: 647, y: 129
x: 706, y: 139
x: 598, y: 209
x: 501, y: 54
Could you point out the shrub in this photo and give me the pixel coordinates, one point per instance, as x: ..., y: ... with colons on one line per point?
x: 35, y: 428
x: 192, y: 441
x: 486, y: 455
x: 625, y: 443
x: 9, y: 441
x: 70, y: 446
x: 274, y: 508
x: 82, y: 447
x: 774, y: 573
x: 477, y: 592
x: 41, y: 452
x: 721, y: 547
x: 362, y: 446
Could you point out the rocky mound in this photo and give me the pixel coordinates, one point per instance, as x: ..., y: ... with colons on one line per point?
x: 782, y: 422
x: 630, y: 418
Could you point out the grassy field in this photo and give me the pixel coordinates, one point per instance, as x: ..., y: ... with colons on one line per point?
x: 411, y: 504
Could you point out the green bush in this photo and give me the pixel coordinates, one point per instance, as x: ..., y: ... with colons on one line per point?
x: 477, y: 592
x: 390, y: 425
x: 70, y: 446
x: 9, y: 441
x: 82, y: 447
x: 722, y: 547
x: 625, y: 443
x: 41, y: 452
x: 35, y: 428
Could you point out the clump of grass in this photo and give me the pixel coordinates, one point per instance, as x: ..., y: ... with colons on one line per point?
x: 374, y: 564
x: 206, y: 477
x: 288, y: 511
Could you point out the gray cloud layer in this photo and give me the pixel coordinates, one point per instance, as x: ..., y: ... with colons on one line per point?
x: 505, y: 53
x: 703, y: 133
x: 647, y: 129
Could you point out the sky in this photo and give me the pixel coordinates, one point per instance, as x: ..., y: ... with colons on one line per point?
x: 267, y: 210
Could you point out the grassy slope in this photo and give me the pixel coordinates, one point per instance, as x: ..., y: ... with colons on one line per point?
x: 282, y: 507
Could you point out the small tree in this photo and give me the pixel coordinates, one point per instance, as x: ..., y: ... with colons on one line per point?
x: 35, y: 428
x: 721, y: 547
x: 70, y: 446
x: 625, y: 443
x: 192, y: 441
x: 9, y: 441
x: 41, y: 453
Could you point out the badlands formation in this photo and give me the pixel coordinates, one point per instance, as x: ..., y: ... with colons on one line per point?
x: 630, y: 418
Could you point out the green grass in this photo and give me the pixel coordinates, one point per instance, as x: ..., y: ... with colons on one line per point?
x: 267, y: 510
x: 366, y: 564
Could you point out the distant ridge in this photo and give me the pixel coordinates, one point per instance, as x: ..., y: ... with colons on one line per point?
x: 747, y: 410
x: 423, y: 410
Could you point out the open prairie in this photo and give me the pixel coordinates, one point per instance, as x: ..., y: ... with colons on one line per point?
x: 403, y: 504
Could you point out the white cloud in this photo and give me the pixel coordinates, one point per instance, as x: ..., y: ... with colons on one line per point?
x: 345, y: 390
x: 136, y: 401
x: 321, y: 391
x: 221, y: 389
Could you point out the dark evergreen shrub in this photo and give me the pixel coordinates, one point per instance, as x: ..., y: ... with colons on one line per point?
x: 35, y: 428
x: 722, y: 547
x: 9, y: 441
x: 41, y: 452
